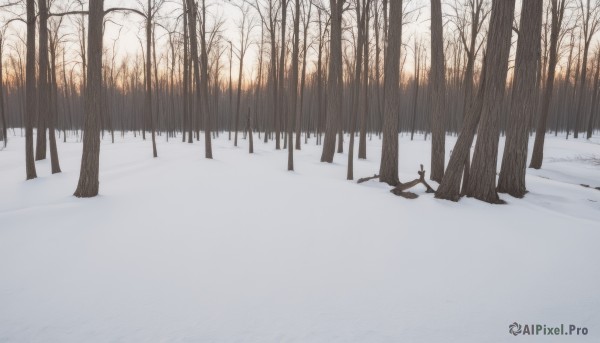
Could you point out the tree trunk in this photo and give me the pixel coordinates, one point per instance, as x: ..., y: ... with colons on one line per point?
x: 306, y: 21
x: 590, y: 126
x: 335, y: 81
x: 148, y: 76
x: 250, y: 134
x: 356, y: 99
x: 514, y: 160
x: 186, y: 78
x: 362, y: 144
x: 2, y: 110
x: 201, y: 85
x: 294, y: 86
x: 482, y: 180
x: 88, y: 176
x: 388, y: 170
x: 53, y: 97
x: 239, y: 90
x: 281, y: 83
x: 43, y: 94
x: 449, y: 188
x: 30, y: 106
x: 437, y: 82
x: 204, y: 86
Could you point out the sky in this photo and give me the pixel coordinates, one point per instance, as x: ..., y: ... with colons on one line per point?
x: 125, y: 32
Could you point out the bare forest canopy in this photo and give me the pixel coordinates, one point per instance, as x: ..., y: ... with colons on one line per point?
x: 299, y: 68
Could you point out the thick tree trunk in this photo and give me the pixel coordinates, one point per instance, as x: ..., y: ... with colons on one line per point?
x: 437, y: 83
x: 449, y: 188
x: 482, y: 180
x: 388, y: 170
x: 30, y: 106
x: 88, y: 176
x: 335, y: 82
x: 524, y: 89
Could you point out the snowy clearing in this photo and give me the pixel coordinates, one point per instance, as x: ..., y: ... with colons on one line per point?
x: 237, y: 249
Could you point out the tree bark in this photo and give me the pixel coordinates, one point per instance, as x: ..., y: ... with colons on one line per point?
x: 388, y: 170
x: 204, y: 86
x: 148, y: 75
x: 281, y: 78
x: 437, y: 82
x: 449, y: 188
x: 356, y: 99
x: 88, y: 176
x: 482, y: 180
x: 53, y: 105
x: 524, y: 89
x: 30, y: 106
x: 335, y: 81
x: 294, y: 86
x: 362, y: 144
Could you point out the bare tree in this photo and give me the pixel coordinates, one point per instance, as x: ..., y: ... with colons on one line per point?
x: 43, y: 92
x: 558, y: 11
x: 294, y: 85
x: 357, y: 106
x: 524, y: 88
x: 306, y: 14
x: 30, y: 106
x: 437, y: 83
x: 482, y: 181
x: 88, y: 176
x: 200, y: 81
x: 245, y: 26
x: 335, y: 81
x: 388, y: 170
x: 590, y: 13
x: 364, y: 109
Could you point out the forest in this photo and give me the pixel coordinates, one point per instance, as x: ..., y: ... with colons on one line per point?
x: 299, y: 170
x: 318, y: 69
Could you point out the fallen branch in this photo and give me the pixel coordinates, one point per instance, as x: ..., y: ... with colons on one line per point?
x: 365, y: 179
x: 401, y: 188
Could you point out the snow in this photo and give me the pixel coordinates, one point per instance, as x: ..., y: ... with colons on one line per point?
x: 238, y: 249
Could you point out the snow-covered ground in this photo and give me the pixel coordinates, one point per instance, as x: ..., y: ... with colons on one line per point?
x: 237, y: 249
